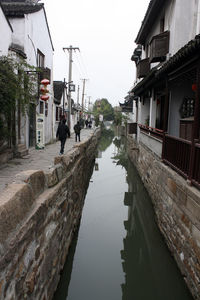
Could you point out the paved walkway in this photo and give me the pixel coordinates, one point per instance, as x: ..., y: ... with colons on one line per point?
x: 37, y: 159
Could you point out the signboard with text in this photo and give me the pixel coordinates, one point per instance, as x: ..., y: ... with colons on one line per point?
x: 40, y: 142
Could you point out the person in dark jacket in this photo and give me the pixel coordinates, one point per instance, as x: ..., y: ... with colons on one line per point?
x: 62, y: 134
x: 77, y: 129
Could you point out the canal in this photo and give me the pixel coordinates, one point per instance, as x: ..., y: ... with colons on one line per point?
x: 118, y: 252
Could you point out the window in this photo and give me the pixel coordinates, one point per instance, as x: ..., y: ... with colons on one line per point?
x: 187, y: 108
x: 46, y: 109
x: 40, y: 59
x: 162, y: 25
x: 41, y: 107
x: 58, y: 113
x: 147, y: 51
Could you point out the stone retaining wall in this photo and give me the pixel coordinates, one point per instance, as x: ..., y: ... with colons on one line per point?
x: 39, y: 213
x: 177, y: 208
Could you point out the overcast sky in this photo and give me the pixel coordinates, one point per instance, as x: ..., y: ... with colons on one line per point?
x: 105, y: 31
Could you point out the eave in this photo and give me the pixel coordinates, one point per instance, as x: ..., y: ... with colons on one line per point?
x: 154, y: 8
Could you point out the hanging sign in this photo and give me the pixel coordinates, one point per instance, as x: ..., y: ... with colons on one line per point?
x: 72, y: 88
x: 40, y: 142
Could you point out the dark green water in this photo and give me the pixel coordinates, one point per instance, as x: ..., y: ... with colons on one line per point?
x: 118, y: 252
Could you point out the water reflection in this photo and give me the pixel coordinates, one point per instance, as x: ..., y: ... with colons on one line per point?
x: 106, y: 140
x: 120, y: 253
x: 150, y: 271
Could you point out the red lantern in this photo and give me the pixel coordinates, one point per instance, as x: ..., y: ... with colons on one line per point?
x: 44, y: 97
x: 45, y: 81
x: 194, y: 87
x: 44, y: 89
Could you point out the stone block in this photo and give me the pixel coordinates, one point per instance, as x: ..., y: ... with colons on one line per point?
x: 196, y: 234
x: 194, y: 194
x: 172, y: 185
x: 51, y: 177
x: 194, y: 208
x: 15, y: 202
x: 35, y: 178
x: 59, y: 170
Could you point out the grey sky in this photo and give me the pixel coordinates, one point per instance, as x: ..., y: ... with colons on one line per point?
x: 105, y: 32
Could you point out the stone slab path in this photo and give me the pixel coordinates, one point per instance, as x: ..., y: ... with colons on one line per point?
x: 37, y: 159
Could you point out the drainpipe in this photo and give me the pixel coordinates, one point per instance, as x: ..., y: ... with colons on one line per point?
x: 198, y: 18
x: 166, y: 114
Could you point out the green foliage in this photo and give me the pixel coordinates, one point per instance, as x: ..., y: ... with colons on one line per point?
x: 125, y: 118
x: 103, y: 107
x: 118, y: 118
x: 107, y: 136
x: 17, y: 89
x: 121, y: 156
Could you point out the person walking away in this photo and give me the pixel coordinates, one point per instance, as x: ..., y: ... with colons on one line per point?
x: 62, y: 134
x: 77, y: 129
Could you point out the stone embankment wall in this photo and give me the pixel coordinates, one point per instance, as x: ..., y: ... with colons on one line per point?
x: 38, y: 216
x: 177, y: 208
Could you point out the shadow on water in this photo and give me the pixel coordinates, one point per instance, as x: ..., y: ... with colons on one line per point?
x: 144, y: 268
x: 62, y: 289
x: 150, y: 271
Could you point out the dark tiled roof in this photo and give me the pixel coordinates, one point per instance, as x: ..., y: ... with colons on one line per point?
x: 153, y: 10
x: 184, y: 55
x: 145, y: 82
x: 19, y: 9
x: 58, y: 91
x: 6, y: 17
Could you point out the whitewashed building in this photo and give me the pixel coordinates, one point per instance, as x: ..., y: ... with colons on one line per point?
x: 166, y: 149
x: 6, y: 29
x: 31, y: 40
x: 167, y: 63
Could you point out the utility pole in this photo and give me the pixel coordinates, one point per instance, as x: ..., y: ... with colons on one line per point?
x: 83, y: 93
x: 64, y: 98
x: 70, y: 49
x: 89, y: 102
x: 78, y: 95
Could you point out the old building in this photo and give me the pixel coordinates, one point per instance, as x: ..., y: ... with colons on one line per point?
x: 166, y: 145
x: 6, y: 28
x: 31, y: 40
x: 167, y: 83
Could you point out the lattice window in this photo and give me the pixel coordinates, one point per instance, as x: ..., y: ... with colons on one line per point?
x: 187, y: 108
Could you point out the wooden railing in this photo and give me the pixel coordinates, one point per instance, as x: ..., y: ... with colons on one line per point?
x: 158, y: 133
x: 176, y: 153
x: 196, y: 168
x: 180, y: 154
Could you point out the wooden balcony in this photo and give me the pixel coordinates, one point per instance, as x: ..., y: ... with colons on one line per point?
x: 143, y: 68
x: 159, y: 47
x: 157, y: 133
x: 176, y: 153
x: 183, y: 156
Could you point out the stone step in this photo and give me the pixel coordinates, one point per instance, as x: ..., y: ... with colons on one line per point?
x: 21, y: 151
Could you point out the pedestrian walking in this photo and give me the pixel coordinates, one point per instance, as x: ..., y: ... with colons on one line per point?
x: 62, y: 134
x: 77, y: 129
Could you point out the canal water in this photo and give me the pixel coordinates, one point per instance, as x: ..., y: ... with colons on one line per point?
x: 118, y: 252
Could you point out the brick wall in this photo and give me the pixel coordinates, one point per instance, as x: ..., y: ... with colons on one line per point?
x: 177, y: 209
x: 38, y: 216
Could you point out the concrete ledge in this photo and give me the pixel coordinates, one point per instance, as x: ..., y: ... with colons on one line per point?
x: 35, y: 178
